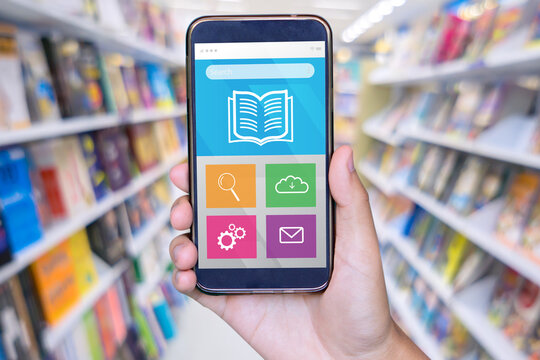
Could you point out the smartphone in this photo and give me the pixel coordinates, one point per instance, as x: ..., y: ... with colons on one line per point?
x: 260, y: 131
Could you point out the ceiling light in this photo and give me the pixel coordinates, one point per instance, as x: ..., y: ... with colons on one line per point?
x: 385, y: 8
x: 338, y: 5
x: 375, y: 16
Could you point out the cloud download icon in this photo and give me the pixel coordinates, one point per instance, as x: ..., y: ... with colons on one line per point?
x: 292, y: 185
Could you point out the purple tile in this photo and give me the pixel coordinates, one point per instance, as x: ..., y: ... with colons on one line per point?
x: 291, y: 236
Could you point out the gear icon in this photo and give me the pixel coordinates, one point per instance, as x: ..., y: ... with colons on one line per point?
x: 232, y: 227
x: 240, y: 233
x: 224, y: 235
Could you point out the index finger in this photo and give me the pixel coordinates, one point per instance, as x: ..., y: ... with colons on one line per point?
x: 180, y: 176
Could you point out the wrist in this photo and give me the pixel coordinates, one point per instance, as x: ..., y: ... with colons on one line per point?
x: 396, y: 345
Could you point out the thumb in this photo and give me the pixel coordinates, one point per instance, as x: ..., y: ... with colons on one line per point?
x: 355, y: 231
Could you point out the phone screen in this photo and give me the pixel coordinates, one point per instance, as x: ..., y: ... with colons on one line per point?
x: 260, y: 154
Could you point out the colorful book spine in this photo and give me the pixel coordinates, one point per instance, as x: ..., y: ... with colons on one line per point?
x: 98, y: 177
x: 54, y: 276
x: 85, y: 271
x: 19, y: 213
x: 92, y: 332
x: 165, y: 318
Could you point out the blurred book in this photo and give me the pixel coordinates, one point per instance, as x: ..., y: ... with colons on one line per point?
x: 56, y: 283
x: 106, y: 240
x: 40, y: 93
x: 78, y: 78
x: 13, y: 107
x: 518, y: 203
x: 85, y: 271
x: 18, y: 210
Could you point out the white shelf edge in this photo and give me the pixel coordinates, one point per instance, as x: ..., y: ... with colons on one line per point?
x: 521, y: 60
x: 369, y: 128
x: 482, y: 239
x: 44, y: 16
x: 77, y: 125
x: 424, y: 268
x: 382, y: 182
x: 507, y: 155
x: 53, y: 335
x: 417, y: 331
x: 148, y: 115
x: 59, y: 232
x: 144, y: 289
x: 491, y: 338
x: 139, y: 241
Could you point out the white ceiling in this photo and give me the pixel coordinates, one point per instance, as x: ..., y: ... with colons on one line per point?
x: 340, y: 13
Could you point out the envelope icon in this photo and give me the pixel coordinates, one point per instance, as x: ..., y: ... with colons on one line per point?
x: 291, y: 235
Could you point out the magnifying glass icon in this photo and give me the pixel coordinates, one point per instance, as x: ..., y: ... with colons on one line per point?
x: 227, y: 182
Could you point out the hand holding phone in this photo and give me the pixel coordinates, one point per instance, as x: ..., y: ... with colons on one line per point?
x: 351, y: 319
x: 260, y: 140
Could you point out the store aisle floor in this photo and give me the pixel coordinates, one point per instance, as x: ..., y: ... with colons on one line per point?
x: 199, y: 326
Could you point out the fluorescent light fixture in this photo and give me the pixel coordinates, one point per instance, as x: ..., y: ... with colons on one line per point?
x: 373, y: 16
x: 385, y: 8
x: 338, y: 5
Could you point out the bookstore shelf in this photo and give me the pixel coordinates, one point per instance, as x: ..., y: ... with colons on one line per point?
x: 59, y: 232
x: 138, y: 242
x: 471, y: 230
x: 489, y: 151
x: 416, y: 330
x: 424, y: 268
x: 144, y: 289
x: 512, y: 62
x: 475, y: 320
x: 148, y: 115
x: 482, y: 238
x: 86, y: 123
x: 375, y: 177
x: 371, y: 129
x: 53, y: 335
x: 42, y: 15
x: 468, y: 146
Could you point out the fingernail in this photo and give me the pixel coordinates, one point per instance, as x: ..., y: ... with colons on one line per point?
x: 177, y: 278
x: 350, y: 163
x: 176, y: 253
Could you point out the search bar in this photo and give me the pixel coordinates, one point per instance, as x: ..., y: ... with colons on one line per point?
x: 260, y: 71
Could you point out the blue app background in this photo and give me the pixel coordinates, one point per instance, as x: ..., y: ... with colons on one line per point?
x: 309, y: 111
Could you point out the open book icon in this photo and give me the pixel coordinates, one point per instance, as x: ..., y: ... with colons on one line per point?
x: 260, y: 119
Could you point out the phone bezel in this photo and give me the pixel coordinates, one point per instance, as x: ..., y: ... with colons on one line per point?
x: 260, y: 28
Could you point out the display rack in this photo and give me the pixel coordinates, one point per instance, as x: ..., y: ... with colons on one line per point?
x: 470, y: 227
x: 43, y: 15
x: 84, y: 124
x: 425, y: 341
x: 492, y: 67
x: 464, y: 305
x: 59, y: 232
x: 143, y: 290
x: 488, y: 149
x: 52, y: 336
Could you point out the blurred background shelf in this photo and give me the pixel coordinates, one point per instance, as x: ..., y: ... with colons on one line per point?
x: 43, y: 16
x: 84, y: 124
x: 55, y: 334
x: 425, y: 341
x: 59, y: 232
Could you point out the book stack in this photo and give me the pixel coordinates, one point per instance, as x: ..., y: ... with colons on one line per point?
x: 55, y: 78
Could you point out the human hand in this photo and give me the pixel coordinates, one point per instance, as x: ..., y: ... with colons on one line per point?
x: 351, y: 319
